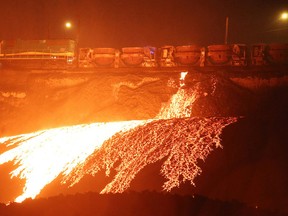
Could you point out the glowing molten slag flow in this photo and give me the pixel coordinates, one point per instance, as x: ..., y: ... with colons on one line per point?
x: 72, y: 152
x: 43, y: 155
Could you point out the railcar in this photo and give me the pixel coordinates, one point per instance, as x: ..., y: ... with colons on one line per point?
x: 227, y: 54
x: 65, y: 54
x: 269, y: 54
x: 189, y: 55
x: 277, y: 54
x: 38, y: 53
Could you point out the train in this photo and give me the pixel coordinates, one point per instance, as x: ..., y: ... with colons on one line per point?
x: 67, y: 54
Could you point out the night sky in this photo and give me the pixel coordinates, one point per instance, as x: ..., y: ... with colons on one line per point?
x: 119, y: 23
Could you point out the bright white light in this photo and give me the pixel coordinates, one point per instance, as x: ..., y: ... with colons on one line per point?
x: 182, y: 78
x: 68, y: 25
x: 284, y: 16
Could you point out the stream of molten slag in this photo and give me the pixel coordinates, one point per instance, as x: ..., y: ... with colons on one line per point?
x: 75, y: 151
x: 41, y: 156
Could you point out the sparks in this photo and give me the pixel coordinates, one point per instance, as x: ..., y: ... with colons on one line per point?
x: 182, y: 141
x: 57, y: 151
x: 72, y: 152
x: 182, y: 78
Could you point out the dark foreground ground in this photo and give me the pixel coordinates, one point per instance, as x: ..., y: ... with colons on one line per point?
x: 145, y: 203
x: 251, y: 168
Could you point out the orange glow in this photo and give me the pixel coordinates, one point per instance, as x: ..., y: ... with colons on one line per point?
x: 284, y: 16
x: 46, y: 154
x: 72, y: 152
x: 68, y: 25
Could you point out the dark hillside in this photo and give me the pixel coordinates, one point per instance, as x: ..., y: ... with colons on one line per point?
x: 145, y: 203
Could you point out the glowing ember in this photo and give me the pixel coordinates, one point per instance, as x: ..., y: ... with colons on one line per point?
x: 46, y: 154
x: 182, y: 141
x: 182, y: 78
x: 72, y: 152
x: 180, y: 104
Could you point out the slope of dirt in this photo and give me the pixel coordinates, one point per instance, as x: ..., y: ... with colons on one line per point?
x: 252, y: 166
x: 46, y: 100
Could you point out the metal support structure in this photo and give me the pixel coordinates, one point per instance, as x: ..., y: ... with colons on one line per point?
x: 226, y: 30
